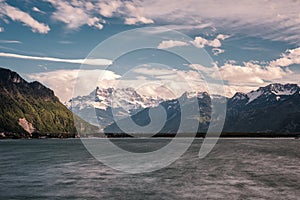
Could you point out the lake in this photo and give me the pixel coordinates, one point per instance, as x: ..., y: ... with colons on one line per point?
x: 235, y: 169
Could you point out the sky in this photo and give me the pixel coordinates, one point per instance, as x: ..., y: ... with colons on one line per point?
x: 68, y: 45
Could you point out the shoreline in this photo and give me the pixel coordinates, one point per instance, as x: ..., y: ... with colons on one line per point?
x: 42, y: 136
x: 158, y: 138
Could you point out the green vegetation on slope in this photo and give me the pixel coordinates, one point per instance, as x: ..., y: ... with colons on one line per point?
x: 37, y: 104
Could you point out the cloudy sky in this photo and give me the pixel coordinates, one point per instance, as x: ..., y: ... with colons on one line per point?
x: 250, y: 43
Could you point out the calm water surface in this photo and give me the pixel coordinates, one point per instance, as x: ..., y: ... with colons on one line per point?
x: 235, y: 169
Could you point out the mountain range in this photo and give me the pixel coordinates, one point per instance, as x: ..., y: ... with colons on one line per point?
x: 267, y: 111
x: 32, y: 110
x: 274, y: 108
x: 98, y: 107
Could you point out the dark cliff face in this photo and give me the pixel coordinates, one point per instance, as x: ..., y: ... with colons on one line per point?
x: 274, y: 108
x: 12, y: 83
x: 7, y: 77
x: 33, y: 102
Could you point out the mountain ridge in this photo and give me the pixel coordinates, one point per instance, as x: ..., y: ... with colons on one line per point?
x: 31, y: 109
x: 274, y: 109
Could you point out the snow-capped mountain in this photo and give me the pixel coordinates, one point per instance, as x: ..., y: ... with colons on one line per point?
x: 273, y: 108
x: 104, y: 104
x: 196, y: 94
x: 270, y: 109
x: 271, y: 93
x: 173, y: 109
x: 103, y: 98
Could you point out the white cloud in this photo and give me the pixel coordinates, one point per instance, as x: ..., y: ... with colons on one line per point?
x: 242, y: 78
x: 75, y: 14
x: 257, y: 18
x: 171, y: 43
x: 251, y: 74
x: 89, y: 6
x: 1, y: 29
x: 222, y: 37
x: 231, y: 90
x: 134, y: 14
x: 203, y: 69
x: 96, y: 62
x: 151, y: 71
x: 36, y: 9
x: 217, y: 51
x: 246, y: 77
x: 98, y: 26
x: 10, y: 42
x: 184, y: 27
x: 201, y: 42
x: 215, y: 43
x: 136, y: 20
x: 179, y: 80
x: 154, y: 81
x: 291, y: 56
x: 109, y: 8
x: 16, y: 14
x: 62, y: 82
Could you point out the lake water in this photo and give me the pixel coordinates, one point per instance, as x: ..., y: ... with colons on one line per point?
x: 235, y: 169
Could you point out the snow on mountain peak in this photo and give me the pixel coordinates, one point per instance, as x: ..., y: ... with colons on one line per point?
x: 276, y: 89
x: 102, y: 98
x: 199, y: 95
x: 254, y: 95
x: 279, y: 89
x: 128, y: 99
x: 239, y: 96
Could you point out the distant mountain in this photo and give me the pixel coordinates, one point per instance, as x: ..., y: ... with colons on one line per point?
x: 96, y: 108
x: 200, y: 102
x: 271, y: 109
x: 31, y: 109
x: 274, y: 109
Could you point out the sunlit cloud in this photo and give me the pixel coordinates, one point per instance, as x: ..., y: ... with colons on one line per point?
x: 251, y: 75
x: 201, y: 42
x: 75, y: 14
x: 290, y: 57
x: 153, y: 81
x: 273, y: 21
x: 16, y: 14
x: 63, y: 82
x: 171, y: 43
